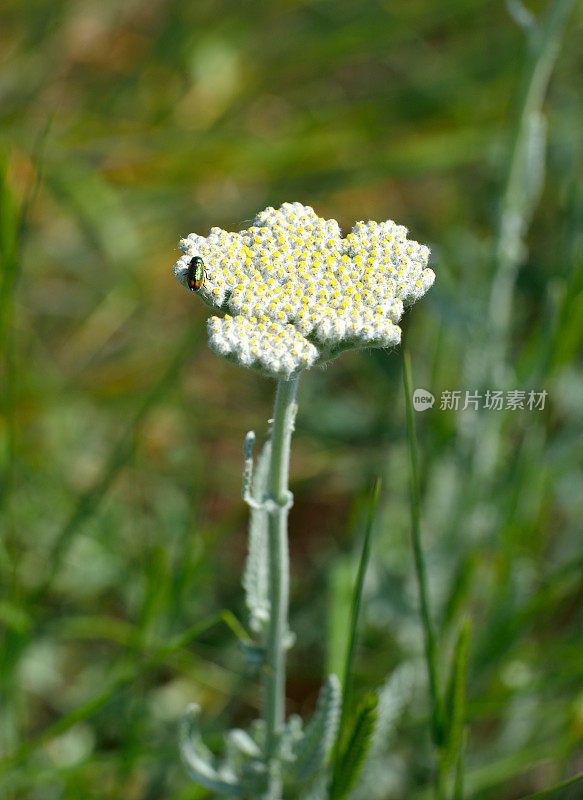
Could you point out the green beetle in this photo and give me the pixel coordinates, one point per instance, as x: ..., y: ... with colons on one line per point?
x: 195, y: 274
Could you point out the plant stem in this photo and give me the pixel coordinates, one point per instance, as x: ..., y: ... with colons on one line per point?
x: 278, y: 494
x: 519, y: 197
x: 522, y: 188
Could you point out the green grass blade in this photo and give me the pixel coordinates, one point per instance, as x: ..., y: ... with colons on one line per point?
x: 458, y: 785
x: 354, y: 617
x: 455, y: 704
x: 9, y: 265
x: 552, y: 792
x: 340, y: 587
x: 357, y: 600
x: 8, y: 241
x: 420, y: 570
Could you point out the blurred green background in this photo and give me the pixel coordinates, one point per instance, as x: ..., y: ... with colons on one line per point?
x: 125, y: 126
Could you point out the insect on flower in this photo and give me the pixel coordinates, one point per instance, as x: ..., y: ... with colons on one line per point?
x: 195, y: 274
x: 297, y: 292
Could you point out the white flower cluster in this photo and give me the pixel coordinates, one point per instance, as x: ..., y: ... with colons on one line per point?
x: 299, y: 292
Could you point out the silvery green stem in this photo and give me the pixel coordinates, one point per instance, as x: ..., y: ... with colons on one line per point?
x: 524, y: 182
x: 525, y: 170
x: 278, y: 588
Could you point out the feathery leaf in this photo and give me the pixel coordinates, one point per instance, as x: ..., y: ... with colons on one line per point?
x: 312, y: 748
x: 355, y: 747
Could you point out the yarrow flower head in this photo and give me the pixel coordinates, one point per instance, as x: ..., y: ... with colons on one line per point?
x: 292, y: 293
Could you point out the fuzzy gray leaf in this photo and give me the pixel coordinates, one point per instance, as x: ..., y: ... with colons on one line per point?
x: 355, y: 747
x: 380, y: 774
x: 241, y: 773
x: 393, y: 696
x: 255, y: 577
x: 312, y: 748
x: 199, y: 760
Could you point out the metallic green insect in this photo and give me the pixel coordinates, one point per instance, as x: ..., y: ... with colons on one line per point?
x: 195, y: 274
